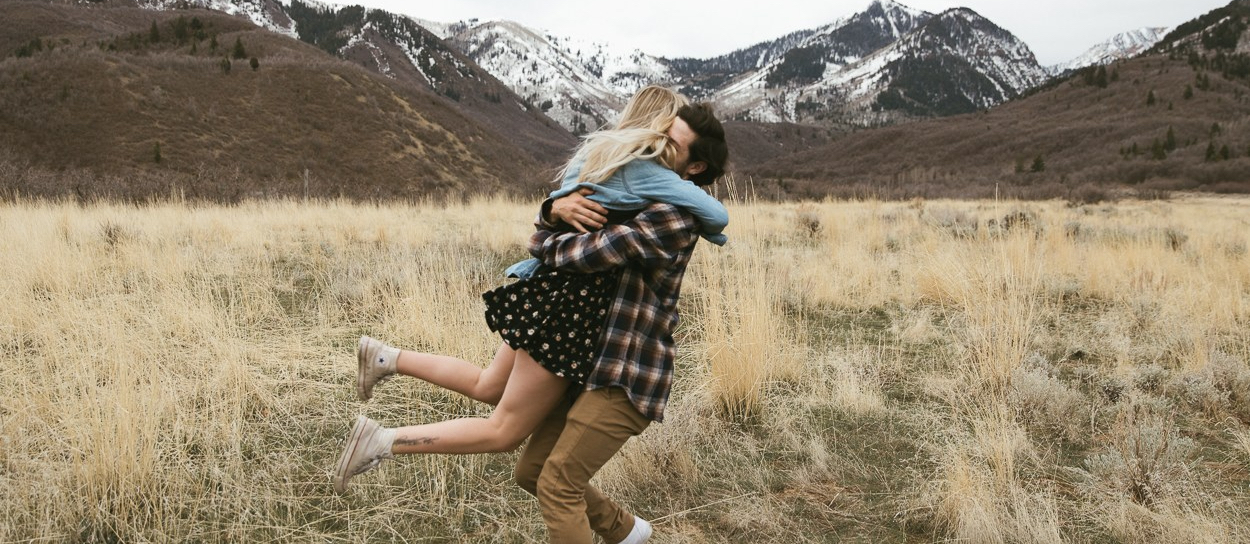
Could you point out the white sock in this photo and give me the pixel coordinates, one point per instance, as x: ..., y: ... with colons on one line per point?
x: 640, y: 533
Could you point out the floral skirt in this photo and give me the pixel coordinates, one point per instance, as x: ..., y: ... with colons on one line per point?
x: 557, y: 317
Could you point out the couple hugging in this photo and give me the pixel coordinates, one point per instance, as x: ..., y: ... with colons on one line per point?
x: 587, y: 355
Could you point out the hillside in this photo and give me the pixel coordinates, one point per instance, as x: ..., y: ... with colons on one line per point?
x: 1162, y: 122
x: 407, y: 53
x: 128, y: 103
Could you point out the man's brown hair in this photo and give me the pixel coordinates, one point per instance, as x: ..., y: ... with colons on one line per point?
x: 710, y: 147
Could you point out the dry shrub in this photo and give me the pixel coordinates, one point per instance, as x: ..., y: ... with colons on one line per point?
x: 1146, y: 458
x: 745, y: 338
x: 1131, y: 522
x: 955, y: 223
x: 993, y: 299
x: 981, y: 497
x: 1046, y: 403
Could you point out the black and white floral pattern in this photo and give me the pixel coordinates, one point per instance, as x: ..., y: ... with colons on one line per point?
x: 557, y: 317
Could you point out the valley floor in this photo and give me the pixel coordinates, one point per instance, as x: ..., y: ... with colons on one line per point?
x: 925, y: 371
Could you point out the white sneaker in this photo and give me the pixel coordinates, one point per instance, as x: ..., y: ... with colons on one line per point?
x: 640, y: 533
x: 376, y: 363
x: 367, y: 446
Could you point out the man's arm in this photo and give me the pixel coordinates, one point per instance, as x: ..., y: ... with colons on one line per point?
x: 576, y: 210
x: 652, y: 239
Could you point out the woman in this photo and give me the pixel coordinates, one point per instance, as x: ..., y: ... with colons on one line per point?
x: 550, y: 321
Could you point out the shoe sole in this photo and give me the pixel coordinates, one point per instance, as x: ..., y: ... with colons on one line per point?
x: 341, y: 477
x: 362, y: 363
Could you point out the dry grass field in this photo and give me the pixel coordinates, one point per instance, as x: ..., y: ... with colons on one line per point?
x: 926, y: 371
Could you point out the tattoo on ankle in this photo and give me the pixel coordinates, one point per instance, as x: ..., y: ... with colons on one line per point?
x: 418, y: 441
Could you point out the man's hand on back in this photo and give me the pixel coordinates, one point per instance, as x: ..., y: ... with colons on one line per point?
x: 578, y: 211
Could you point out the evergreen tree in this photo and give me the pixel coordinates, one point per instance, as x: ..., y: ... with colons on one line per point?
x: 154, y: 35
x: 254, y: 63
x: 1211, y: 154
x: 1150, y: 98
x: 212, y: 44
x: 31, y: 48
x: 181, y: 29
x: 1215, y: 129
x: 239, y: 52
x: 1189, y: 92
x: 1169, y: 142
x: 1100, y: 78
x: 1225, y: 153
x: 1203, y: 82
x: 225, y: 65
x: 1039, y: 164
x: 1157, y: 152
x: 197, y: 29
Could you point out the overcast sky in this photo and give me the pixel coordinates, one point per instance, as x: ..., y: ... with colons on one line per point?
x: 1056, y: 30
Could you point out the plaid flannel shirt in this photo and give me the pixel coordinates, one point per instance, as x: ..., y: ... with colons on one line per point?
x: 654, y: 248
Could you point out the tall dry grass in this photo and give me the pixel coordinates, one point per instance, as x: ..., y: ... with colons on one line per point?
x: 869, y: 371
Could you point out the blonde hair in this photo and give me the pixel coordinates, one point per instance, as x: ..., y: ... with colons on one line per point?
x: 641, y: 133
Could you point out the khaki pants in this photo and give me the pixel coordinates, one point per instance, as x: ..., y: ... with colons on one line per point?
x: 566, y: 450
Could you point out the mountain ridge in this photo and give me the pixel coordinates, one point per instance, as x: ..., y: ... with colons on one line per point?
x: 794, y: 78
x: 368, y: 104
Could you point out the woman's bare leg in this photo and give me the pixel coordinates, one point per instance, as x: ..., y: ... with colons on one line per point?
x: 480, y: 384
x: 378, y: 362
x: 530, y: 394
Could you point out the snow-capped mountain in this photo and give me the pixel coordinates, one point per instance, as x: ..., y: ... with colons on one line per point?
x: 886, y: 63
x: 901, y: 63
x: 579, y: 84
x: 1120, y: 46
x: 957, y: 62
x: 828, y: 75
x: 825, y: 68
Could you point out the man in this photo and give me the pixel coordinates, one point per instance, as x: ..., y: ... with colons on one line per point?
x: 629, y: 386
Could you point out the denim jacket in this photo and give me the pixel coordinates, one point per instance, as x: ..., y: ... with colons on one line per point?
x: 636, y: 185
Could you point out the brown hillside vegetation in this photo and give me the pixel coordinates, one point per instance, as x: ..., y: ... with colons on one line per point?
x: 1075, y: 139
x: 127, y: 103
x: 752, y: 143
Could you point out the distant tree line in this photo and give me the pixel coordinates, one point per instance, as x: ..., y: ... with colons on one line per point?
x: 1218, y: 33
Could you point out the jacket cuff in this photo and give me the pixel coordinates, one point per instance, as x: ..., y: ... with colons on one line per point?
x: 544, y: 215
